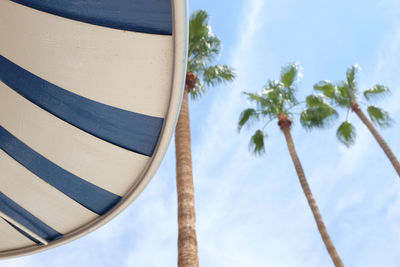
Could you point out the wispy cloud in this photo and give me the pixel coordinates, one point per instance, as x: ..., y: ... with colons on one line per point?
x: 241, y: 191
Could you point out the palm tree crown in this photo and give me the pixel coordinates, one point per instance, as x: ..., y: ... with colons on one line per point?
x: 344, y: 94
x: 275, y: 101
x: 204, y: 47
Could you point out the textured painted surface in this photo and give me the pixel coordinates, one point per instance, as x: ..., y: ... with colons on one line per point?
x: 130, y: 130
x: 57, y: 140
x: 23, y: 233
x: 38, y: 197
x: 12, y: 238
x: 89, y: 94
x: 19, y: 214
x: 113, y: 67
x: 89, y: 195
x: 148, y: 16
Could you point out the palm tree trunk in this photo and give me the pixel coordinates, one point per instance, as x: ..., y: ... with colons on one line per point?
x: 378, y: 138
x: 187, y: 241
x: 311, y: 201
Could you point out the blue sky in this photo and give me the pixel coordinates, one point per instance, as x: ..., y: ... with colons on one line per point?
x: 251, y: 210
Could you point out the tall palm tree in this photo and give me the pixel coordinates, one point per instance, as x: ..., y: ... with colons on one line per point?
x: 344, y: 94
x: 204, y: 46
x: 276, y: 101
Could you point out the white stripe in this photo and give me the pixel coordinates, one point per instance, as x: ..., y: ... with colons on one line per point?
x: 21, y: 227
x: 11, y: 238
x: 129, y: 70
x: 41, y: 199
x: 99, y: 162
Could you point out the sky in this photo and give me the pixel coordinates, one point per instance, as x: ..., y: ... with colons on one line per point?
x: 251, y: 210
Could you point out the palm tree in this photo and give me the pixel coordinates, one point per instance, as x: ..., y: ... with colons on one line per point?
x: 276, y: 101
x: 204, y: 46
x: 344, y: 94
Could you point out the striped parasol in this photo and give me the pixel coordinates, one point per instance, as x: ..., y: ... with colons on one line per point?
x: 89, y: 96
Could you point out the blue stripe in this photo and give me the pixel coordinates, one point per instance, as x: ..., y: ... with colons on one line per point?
x: 23, y: 232
x: 89, y: 195
x: 133, y: 131
x: 148, y: 16
x: 22, y: 216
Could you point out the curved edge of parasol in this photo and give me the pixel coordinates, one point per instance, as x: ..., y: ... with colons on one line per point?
x: 180, y: 35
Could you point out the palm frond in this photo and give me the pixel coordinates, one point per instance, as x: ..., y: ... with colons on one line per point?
x: 379, y: 116
x: 264, y: 102
x: 346, y: 133
x: 289, y: 73
x: 318, y: 114
x: 247, y: 117
x: 315, y: 100
x: 341, y: 95
x: 214, y: 75
x: 326, y: 87
x: 204, y: 47
x: 256, y: 144
x: 351, y: 81
x: 198, y: 91
x: 254, y: 97
x: 275, y: 94
x: 280, y: 96
x: 317, y: 117
x: 341, y: 89
x: 376, y: 91
x: 276, y: 97
x: 203, y: 44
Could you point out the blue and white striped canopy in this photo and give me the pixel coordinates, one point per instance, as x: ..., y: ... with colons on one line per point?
x: 89, y: 95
